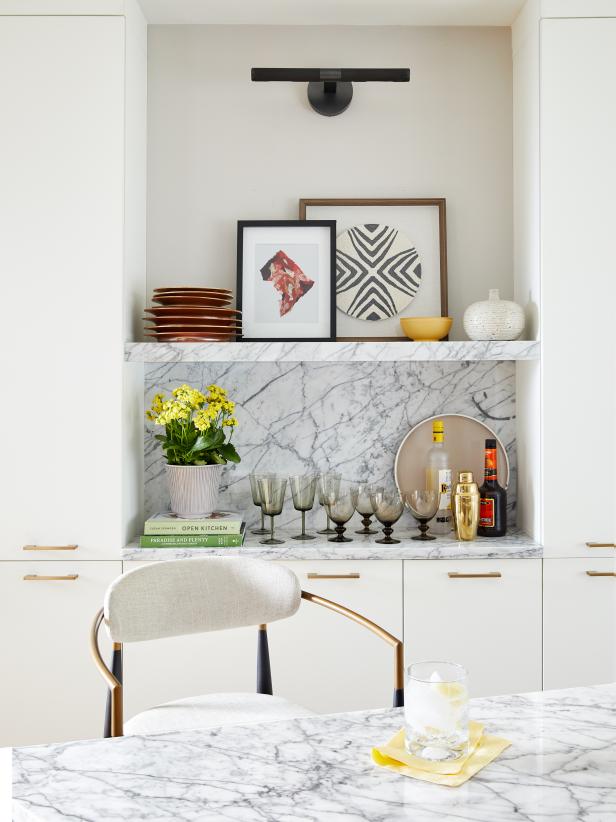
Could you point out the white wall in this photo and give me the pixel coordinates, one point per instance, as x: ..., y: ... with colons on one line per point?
x: 222, y: 148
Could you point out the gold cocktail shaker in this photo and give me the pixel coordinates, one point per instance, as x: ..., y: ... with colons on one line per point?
x: 466, y: 506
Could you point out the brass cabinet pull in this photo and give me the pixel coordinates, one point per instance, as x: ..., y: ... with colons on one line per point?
x: 486, y: 575
x: 50, y: 547
x: 45, y: 578
x: 601, y: 544
x: 601, y: 573
x: 352, y: 575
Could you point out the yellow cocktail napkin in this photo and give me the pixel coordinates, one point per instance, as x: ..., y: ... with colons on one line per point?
x: 482, y: 749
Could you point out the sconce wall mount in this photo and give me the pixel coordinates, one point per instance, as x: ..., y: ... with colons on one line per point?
x: 330, y: 91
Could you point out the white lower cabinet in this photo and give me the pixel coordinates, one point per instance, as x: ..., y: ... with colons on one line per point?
x: 327, y: 662
x: 319, y: 659
x: 50, y: 690
x: 489, y: 624
x: 579, y: 623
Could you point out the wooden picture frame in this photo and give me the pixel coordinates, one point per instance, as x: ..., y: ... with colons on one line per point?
x: 383, y: 202
x: 319, y: 233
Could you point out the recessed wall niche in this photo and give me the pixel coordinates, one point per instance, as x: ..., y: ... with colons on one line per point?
x: 223, y: 149
x: 349, y: 417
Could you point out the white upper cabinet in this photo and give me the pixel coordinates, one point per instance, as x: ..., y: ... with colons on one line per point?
x: 61, y: 257
x: 578, y: 181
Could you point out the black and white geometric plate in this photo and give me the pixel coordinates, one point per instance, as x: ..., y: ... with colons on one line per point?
x: 378, y: 271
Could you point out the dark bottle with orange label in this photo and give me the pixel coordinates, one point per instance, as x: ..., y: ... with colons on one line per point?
x: 493, y: 498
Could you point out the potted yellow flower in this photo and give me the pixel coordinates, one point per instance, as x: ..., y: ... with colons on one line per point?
x: 197, y: 444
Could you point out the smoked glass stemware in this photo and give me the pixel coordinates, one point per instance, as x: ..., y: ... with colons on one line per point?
x: 256, y: 498
x: 388, y: 505
x: 340, y: 508
x: 302, y: 491
x: 271, y: 490
x: 423, y: 505
x: 327, y: 484
x: 364, y: 506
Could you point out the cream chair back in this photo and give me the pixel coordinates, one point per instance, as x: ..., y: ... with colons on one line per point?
x: 189, y: 596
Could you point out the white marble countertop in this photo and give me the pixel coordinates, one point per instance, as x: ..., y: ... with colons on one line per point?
x: 309, y: 351
x: 561, y: 767
x: 514, y: 545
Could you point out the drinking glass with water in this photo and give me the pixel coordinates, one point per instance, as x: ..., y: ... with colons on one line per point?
x: 436, y: 710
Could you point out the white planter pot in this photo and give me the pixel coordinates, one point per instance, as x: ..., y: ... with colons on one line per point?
x: 494, y: 319
x: 193, y: 489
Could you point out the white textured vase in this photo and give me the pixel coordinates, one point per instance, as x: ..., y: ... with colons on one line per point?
x: 193, y: 489
x: 494, y: 319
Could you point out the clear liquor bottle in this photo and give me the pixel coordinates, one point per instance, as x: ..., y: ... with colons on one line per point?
x: 438, y: 478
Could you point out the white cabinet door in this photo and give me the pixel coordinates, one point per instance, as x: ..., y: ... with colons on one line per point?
x: 490, y: 625
x: 323, y: 660
x: 319, y: 659
x: 61, y: 258
x: 579, y: 622
x: 50, y: 690
x: 578, y: 180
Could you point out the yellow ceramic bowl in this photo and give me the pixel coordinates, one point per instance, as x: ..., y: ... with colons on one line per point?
x: 426, y: 329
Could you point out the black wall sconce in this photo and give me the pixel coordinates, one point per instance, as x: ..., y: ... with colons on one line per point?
x: 330, y: 91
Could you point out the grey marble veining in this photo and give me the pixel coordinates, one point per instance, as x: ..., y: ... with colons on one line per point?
x: 350, y: 417
x: 332, y: 351
x: 561, y: 767
x: 515, y: 545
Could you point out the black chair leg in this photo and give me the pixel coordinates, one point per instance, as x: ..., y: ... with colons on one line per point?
x: 399, y: 698
x: 116, y: 670
x: 264, y: 671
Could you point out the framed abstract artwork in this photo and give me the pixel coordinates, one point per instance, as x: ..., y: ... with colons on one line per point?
x: 286, y: 279
x: 391, y: 262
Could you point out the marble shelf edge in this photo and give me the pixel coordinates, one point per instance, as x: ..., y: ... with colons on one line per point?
x: 332, y: 351
x: 515, y: 545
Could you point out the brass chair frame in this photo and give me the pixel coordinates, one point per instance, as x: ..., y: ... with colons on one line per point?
x: 114, y: 722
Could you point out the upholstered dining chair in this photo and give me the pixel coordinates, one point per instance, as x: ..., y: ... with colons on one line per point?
x: 189, y: 596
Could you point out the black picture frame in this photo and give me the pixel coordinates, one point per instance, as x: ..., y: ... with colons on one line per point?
x: 331, y: 225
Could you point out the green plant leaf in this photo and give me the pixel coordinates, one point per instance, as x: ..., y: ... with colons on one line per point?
x: 208, y: 441
x: 229, y: 453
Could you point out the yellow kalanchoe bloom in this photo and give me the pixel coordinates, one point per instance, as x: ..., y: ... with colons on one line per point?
x: 157, y: 403
x: 157, y: 407
x: 216, y: 394
x: 188, y: 395
x: 204, y: 418
x: 172, y: 410
x: 231, y: 422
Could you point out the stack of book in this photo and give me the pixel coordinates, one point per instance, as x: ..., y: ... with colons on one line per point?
x: 222, y: 529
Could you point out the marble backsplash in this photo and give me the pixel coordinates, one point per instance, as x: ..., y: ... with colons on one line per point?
x: 349, y: 417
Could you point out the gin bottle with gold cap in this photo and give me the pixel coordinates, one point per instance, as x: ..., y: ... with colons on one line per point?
x: 438, y: 478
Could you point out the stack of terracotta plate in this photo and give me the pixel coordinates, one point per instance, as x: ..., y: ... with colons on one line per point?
x: 192, y: 315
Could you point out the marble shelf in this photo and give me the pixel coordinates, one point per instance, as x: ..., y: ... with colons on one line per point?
x: 402, y: 351
x: 515, y: 545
